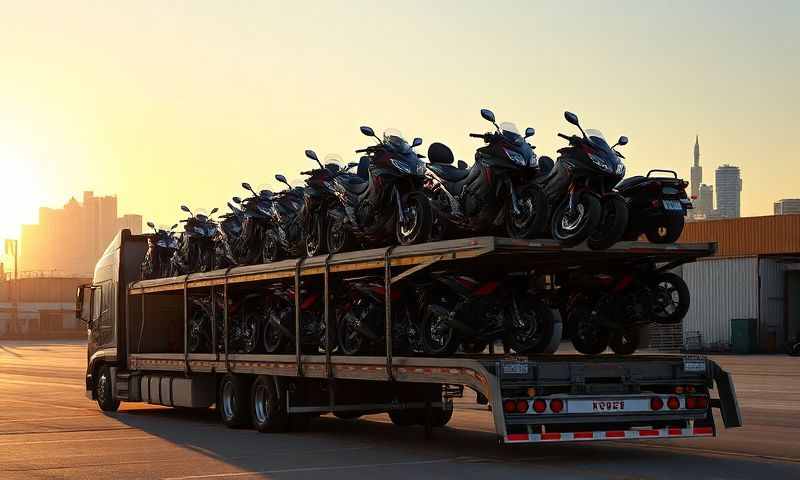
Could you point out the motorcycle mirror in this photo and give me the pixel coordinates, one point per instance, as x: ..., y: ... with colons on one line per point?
x: 572, y: 118
x: 367, y: 131
x: 462, y: 165
x: 281, y: 179
x: 214, y: 210
x: 623, y: 140
x: 173, y: 227
x: 352, y: 165
x: 237, y: 200
x: 312, y: 155
x: 186, y: 209
x: 417, y: 142
x: 487, y: 115
x: 529, y: 132
x: 247, y: 186
x: 151, y: 225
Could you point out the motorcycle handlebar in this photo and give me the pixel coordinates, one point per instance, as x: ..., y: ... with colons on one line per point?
x: 477, y: 135
x: 565, y: 137
x: 361, y: 150
x: 307, y: 172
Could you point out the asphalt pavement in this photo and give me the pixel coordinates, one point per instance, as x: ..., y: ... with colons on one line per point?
x: 49, y: 429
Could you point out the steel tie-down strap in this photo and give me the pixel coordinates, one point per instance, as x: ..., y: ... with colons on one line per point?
x: 387, y: 278
x: 297, y: 340
x: 186, y: 369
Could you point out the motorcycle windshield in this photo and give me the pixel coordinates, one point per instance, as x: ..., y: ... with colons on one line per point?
x: 598, y: 140
x: 511, y: 134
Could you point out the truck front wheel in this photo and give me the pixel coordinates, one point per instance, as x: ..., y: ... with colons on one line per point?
x: 233, y: 400
x: 103, y: 391
x: 267, y: 411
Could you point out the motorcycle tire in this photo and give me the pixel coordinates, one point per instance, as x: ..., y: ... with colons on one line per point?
x: 530, y: 326
x: 206, y: 260
x: 197, y: 340
x: 533, y: 217
x: 795, y: 350
x: 270, y: 250
x: 625, y: 341
x: 589, y: 337
x: 419, y: 219
x: 668, y: 230
x: 338, y: 237
x: 351, y: 341
x: 273, y: 339
x: 251, y: 323
x: 438, y: 338
x: 671, y: 298
x: 613, y: 223
x: 569, y: 229
x: 315, y: 237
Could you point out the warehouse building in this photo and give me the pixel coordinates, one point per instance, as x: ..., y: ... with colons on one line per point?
x: 40, y: 307
x: 747, y: 296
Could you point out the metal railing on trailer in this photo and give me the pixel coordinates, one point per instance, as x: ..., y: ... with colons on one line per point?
x: 476, y: 253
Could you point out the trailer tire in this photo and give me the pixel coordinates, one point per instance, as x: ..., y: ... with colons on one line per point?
x: 404, y: 418
x: 232, y: 400
x: 440, y: 416
x: 103, y: 390
x: 267, y: 411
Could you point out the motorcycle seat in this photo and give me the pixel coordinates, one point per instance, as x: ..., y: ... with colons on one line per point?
x: 354, y: 183
x: 448, y: 172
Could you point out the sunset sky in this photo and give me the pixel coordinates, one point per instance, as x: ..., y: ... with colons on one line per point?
x: 164, y: 103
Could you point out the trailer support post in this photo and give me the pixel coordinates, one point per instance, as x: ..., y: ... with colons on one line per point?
x: 186, y: 369
x: 297, y: 338
x: 387, y: 279
x: 214, y: 323
x: 326, y: 316
x: 225, y: 320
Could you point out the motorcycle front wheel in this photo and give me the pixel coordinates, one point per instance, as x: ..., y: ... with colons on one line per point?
x: 613, y: 223
x: 416, y: 226
x: 270, y: 251
x: 671, y: 298
x: 438, y: 337
x: 198, y: 338
x: 572, y: 226
x: 530, y: 217
x: 338, y: 237
x: 315, y: 237
x: 625, y: 341
x: 530, y: 326
x: 589, y: 337
x: 274, y: 339
x: 351, y: 341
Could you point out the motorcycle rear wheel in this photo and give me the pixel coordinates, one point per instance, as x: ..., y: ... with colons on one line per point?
x: 438, y: 337
x: 530, y: 328
x: 669, y: 230
x: 613, y: 223
x: 671, y: 298
x: 589, y: 337
x: 625, y: 341
x: 571, y: 228
x: 351, y: 341
x: 532, y: 217
x: 274, y: 339
x: 418, y: 220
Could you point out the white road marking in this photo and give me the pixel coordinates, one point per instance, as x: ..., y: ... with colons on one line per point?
x: 319, y: 469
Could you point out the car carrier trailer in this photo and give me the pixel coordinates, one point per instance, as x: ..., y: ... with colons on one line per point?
x: 138, y: 337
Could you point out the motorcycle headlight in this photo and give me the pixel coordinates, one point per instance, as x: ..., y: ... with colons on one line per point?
x: 516, y: 157
x: 421, y: 169
x: 600, y: 162
x: 402, y: 166
x: 620, y: 169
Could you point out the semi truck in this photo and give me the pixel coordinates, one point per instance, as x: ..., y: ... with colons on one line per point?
x: 138, y: 332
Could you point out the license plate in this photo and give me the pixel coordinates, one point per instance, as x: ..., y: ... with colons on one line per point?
x: 672, y: 205
x: 607, y: 405
x: 515, y: 368
x: 694, y: 364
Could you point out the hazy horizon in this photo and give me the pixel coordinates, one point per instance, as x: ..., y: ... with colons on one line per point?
x: 163, y: 104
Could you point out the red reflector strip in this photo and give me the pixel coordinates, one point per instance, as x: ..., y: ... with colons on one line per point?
x: 517, y: 437
x: 648, y: 433
x: 703, y: 430
x: 551, y: 436
x: 583, y: 435
x: 615, y: 434
x: 674, y: 431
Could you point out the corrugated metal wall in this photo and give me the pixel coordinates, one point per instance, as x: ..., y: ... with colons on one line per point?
x: 776, y: 234
x: 721, y: 289
x: 772, y: 304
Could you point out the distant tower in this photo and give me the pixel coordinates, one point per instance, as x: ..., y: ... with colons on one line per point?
x: 729, y: 191
x: 697, y: 170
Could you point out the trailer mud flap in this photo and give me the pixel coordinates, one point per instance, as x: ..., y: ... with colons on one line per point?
x: 728, y: 405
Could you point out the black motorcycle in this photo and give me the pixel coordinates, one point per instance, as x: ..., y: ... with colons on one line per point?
x: 256, y: 220
x: 279, y: 330
x: 498, y: 189
x: 229, y: 229
x: 161, y: 246
x: 286, y: 236
x: 471, y: 313
x: 320, y: 197
x: 657, y: 204
x: 579, y: 190
x: 384, y: 202
x: 196, y: 251
x: 361, y: 315
x: 245, y: 323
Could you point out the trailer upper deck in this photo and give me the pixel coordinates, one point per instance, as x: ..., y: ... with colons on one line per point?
x: 479, y: 253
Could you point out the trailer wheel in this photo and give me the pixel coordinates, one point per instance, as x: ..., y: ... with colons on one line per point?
x: 103, y: 391
x: 440, y: 416
x: 232, y: 400
x: 267, y: 412
x: 404, y: 418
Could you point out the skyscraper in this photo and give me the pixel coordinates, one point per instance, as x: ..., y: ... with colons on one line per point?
x: 786, y: 206
x: 697, y: 170
x: 729, y: 191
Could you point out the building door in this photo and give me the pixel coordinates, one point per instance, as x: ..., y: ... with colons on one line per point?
x: 792, y: 305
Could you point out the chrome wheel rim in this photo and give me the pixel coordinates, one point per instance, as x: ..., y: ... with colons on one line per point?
x: 408, y: 227
x: 571, y: 220
x: 228, y: 400
x: 260, y: 399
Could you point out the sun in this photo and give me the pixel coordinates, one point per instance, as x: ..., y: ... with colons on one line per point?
x: 19, y: 192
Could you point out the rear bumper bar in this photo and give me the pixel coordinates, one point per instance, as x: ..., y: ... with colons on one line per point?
x: 643, y: 434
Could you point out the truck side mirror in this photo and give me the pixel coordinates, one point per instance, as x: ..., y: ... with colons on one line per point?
x: 83, y: 303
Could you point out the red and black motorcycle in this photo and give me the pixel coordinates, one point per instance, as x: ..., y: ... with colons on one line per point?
x: 279, y: 332
x: 657, y: 206
x: 245, y: 315
x: 469, y: 313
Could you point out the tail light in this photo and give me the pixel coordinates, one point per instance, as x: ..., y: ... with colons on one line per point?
x: 673, y: 403
x: 697, y: 403
x: 522, y: 406
x: 539, y: 406
x: 556, y: 405
x: 509, y: 406
x: 656, y: 403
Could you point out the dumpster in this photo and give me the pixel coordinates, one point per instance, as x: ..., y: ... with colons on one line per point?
x: 744, y: 335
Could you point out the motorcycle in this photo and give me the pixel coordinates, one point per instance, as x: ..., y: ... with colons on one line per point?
x: 256, y: 221
x: 286, y: 236
x: 387, y: 198
x: 229, y: 229
x: 615, y: 310
x: 470, y: 313
x: 279, y: 331
x: 361, y: 314
x: 658, y: 206
x: 196, y: 251
x: 245, y: 316
x: 161, y: 246
x: 320, y: 197
x: 497, y: 189
x: 579, y: 190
